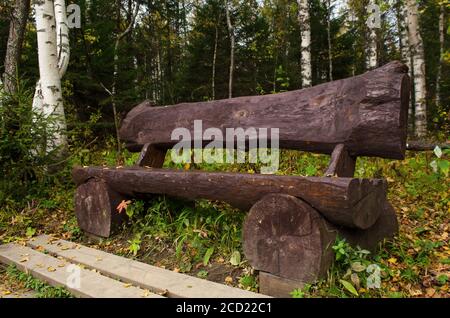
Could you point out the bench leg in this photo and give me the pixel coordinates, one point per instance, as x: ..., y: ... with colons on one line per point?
x: 290, y: 243
x: 95, y: 208
x: 286, y: 237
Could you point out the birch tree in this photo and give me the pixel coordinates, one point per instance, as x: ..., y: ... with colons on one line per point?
x: 53, y: 53
x: 15, y: 39
x: 402, y: 25
x: 418, y: 67
x: 372, y: 56
x: 232, y: 48
x: 305, y: 47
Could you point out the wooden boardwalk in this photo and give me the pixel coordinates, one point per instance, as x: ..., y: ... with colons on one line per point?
x: 107, y: 275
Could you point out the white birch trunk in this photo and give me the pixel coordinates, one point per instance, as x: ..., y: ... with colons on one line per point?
x: 62, y: 35
x: 372, y: 56
x: 402, y: 22
x: 418, y: 66
x: 48, y: 97
x: 305, y: 30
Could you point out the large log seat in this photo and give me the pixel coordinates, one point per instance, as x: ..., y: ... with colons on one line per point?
x: 292, y: 221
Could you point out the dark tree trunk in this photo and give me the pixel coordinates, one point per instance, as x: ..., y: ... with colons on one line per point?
x: 15, y: 39
x: 344, y: 201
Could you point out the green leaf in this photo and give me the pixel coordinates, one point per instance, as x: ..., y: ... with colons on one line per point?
x: 30, y: 232
x: 235, y: 259
x: 444, y: 165
x: 349, y: 287
x: 207, y: 256
x: 358, y: 267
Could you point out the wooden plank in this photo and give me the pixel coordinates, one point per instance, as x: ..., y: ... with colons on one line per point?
x: 150, y: 277
x: 367, y: 113
x: 57, y: 273
x: 277, y: 286
x: 341, y: 164
x: 151, y: 156
x: 345, y: 201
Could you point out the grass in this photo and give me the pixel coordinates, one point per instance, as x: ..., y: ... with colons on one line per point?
x: 16, y: 280
x: 203, y: 238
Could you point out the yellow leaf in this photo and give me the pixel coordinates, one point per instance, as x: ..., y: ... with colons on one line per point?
x: 187, y: 166
x: 6, y: 292
x: 228, y: 279
x: 127, y: 285
x: 51, y: 269
x: 392, y: 260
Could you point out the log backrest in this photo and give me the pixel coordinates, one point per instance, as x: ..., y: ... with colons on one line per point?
x: 366, y: 114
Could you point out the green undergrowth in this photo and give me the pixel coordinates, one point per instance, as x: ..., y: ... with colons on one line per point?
x: 42, y: 289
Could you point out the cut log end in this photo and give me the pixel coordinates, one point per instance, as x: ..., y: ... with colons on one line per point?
x: 95, y: 208
x: 283, y: 235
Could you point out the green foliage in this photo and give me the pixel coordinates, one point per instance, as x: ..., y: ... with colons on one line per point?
x: 196, y: 232
x: 43, y: 290
x: 22, y: 133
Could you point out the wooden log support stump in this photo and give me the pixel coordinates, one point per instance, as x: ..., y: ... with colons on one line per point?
x: 290, y: 243
x: 95, y: 207
x: 286, y: 237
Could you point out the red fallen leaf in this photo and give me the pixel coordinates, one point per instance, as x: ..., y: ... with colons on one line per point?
x: 123, y: 205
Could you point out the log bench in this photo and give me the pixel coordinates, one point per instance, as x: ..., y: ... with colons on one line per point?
x: 292, y: 221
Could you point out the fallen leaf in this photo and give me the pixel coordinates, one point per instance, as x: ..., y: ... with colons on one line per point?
x: 51, y: 269
x: 358, y: 267
x: 123, y: 205
x: 127, y: 285
x: 392, y: 260
x: 146, y: 293
x: 228, y: 279
x: 430, y: 292
x: 25, y: 259
x: 6, y: 292
x: 99, y: 259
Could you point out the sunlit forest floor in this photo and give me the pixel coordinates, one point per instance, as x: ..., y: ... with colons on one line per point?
x: 204, y: 238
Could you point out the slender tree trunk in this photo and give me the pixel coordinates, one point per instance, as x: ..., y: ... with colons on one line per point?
x: 62, y: 35
x: 441, y: 54
x: 405, y: 50
x: 330, y: 48
x: 372, y: 56
x: 418, y: 66
x: 15, y: 39
x: 305, y: 29
x: 402, y: 24
x: 232, y: 48
x: 213, y: 84
x: 116, y: 71
x: 48, y: 98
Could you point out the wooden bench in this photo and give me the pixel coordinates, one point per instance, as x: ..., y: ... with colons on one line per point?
x: 292, y: 221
